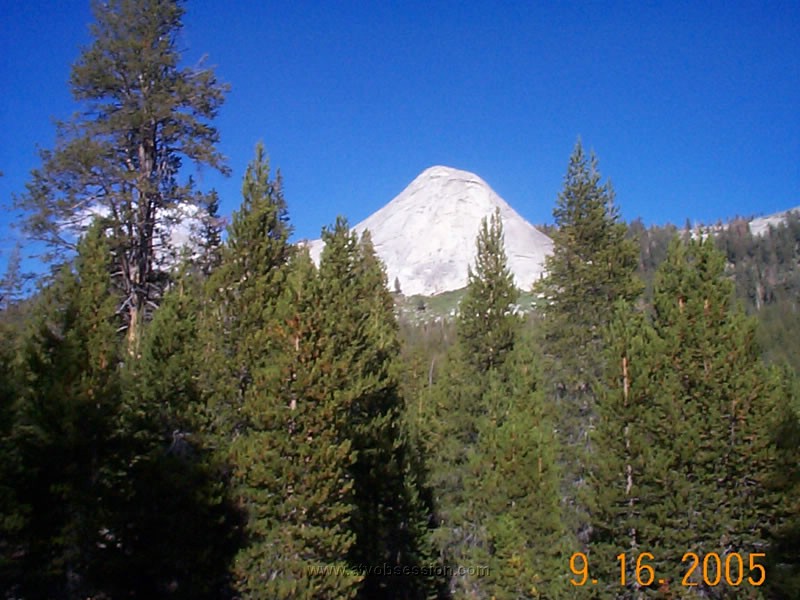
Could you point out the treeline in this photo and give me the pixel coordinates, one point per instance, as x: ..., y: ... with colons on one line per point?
x: 765, y: 270
x: 268, y: 436
x: 249, y: 444
x: 654, y: 421
x: 237, y: 422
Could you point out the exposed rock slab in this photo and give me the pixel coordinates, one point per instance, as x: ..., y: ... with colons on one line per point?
x: 426, y: 235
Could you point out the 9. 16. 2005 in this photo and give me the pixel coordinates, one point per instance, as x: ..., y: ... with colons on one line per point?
x: 734, y: 569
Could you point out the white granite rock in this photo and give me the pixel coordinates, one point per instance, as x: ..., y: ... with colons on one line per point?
x: 426, y: 235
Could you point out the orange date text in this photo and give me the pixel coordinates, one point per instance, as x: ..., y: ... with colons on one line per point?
x: 733, y: 569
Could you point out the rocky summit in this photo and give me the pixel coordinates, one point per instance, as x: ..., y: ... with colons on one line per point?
x: 426, y: 235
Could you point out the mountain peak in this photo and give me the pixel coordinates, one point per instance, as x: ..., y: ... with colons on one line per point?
x: 426, y: 234
x: 451, y: 172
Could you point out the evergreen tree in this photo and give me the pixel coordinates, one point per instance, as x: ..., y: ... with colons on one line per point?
x: 305, y: 385
x: 292, y: 460
x: 14, y: 512
x: 685, y: 455
x: 257, y: 414
x: 64, y: 428
x: 514, y: 486
x: 173, y: 504
x: 486, y: 324
x: 110, y: 502
x: 208, y: 237
x: 121, y: 156
x: 390, y: 520
x: 242, y: 295
x: 450, y: 432
x: 162, y: 383
x: 592, y: 267
x: 493, y: 449
x: 784, y: 556
x: 727, y: 403
x: 630, y: 480
x: 12, y: 282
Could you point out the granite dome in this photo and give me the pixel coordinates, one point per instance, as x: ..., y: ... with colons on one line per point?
x: 426, y: 235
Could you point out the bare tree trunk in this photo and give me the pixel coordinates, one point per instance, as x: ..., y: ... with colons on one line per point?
x: 142, y: 249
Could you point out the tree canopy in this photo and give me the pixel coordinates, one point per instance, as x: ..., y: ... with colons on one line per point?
x: 122, y: 156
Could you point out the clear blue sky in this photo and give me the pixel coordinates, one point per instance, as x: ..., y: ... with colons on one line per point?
x: 693, y: 108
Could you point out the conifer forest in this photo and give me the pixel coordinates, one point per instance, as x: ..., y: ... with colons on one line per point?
x: 236, y: 421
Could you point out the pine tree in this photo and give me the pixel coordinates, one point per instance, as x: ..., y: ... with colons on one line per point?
x: 726, y: 402
x: 12, y: 282
x: 293, y: 461
x: 172, y: 502
x: 109, y: 502
x: 784, y: 557
x: 267, y: 418
x: 592, y: 267
x: 242, y: 295
x: 390, y: 517
x: 208, y: 237
x: 685, y: 455
x: 121, y: 156
x: 493, y: 448
x: 450, y: 433
x: 486, y: 324
x: 14, y: 512
x: 279, y: 404
x: 514, y: 486
x: 630, y: 476
x: 64, y: 426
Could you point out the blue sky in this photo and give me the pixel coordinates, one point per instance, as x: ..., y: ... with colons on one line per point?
x: 693, y: 108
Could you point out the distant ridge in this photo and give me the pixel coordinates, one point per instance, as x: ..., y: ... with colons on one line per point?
x: 426, y: 235
x: 761, y: 225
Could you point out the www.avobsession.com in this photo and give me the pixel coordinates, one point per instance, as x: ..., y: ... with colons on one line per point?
x: 387, y: 570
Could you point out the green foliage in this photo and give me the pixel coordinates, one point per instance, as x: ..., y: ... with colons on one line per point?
x: 242, y: 297
x: 450, y: 432
x: 486, y: 323
x: 727, y: 401
x: 630, y: 479
x: 292, y: 461
x: 390, y: 520
x: 110, y: 499
x: 67, y: 394
x: 272, y: 429
x: 14, y: 512
x: 163, y: 381
x: 784, y: 558
x: 591, y: 268
x: 765, y: 273
x: 514, y: 484
x: 653, y: 243
x: 207, y: 238
x: 486, y: 330
x: 492, y: 446
x: 686, y: 454
x: 121, y: 155
x: 271, y: 412
x: 11, y: 285
x: 173, y: 502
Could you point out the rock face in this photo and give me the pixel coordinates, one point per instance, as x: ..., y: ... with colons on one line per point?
x: 426, y: 235
x: 761, y: 225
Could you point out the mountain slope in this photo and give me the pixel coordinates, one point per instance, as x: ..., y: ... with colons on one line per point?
x: 426, y: 235
x: 761, y: 225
